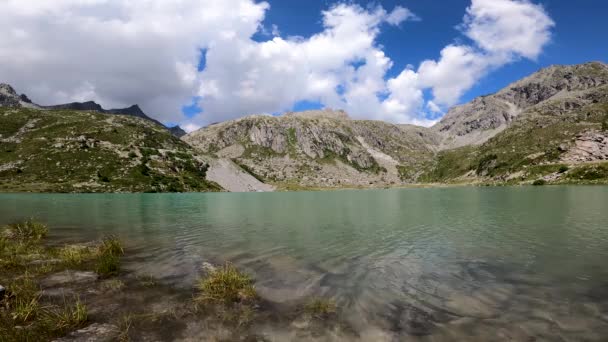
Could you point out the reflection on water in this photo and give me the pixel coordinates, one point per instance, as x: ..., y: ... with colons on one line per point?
x: 438, y: 264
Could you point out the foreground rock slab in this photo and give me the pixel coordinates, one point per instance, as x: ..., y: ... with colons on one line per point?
x: 93, y: 333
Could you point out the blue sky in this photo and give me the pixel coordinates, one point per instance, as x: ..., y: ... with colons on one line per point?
x: 195, y: 62
x: 579, y: 36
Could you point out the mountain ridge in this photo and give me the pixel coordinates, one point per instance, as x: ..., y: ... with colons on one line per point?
x: 327, y: 148
x: 10, y: 98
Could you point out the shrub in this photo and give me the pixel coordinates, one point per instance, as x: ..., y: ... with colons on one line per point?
x: 563, y: 169
x: 539, y: 182
x: 226, y: 285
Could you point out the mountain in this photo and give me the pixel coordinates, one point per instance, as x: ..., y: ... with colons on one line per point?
x: 67, y: 150
x: 548, y: 126
x: 90, y: 105
x: 177, y: 131
x: 10, y: 98
x: 479, y: 120
x: 318, y: 148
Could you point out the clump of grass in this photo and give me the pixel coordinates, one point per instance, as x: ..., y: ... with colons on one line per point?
x: 226, y: 285
x: 108, y: 258
x: 108, y: 265
x: 66, y: 318
x: 28, y: 230
x: 111, y: 245
x: 321, y: 307
x: 124, y: 328
x: 22, y: 299
x: 75, y: 255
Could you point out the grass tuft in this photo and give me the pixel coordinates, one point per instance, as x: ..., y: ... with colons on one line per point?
x: 111, y: 245
x: 321, y: 307
x: 75, y: 255
x: 66, y: 318
x: 226, y: 285
x: 108, y: 258
x: 28, y: 230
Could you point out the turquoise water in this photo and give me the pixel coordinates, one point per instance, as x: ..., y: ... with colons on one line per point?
x: 444, y: 262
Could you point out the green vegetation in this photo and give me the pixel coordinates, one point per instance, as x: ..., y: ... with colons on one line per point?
x: 539, y: 182
x: 26, y: 231
x: 76, y: 151
x: 24, y: 314
x: 593, y: 173
x: 108, y: 258
x: 226, y: 285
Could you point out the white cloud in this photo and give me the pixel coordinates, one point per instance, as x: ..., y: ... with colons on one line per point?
x: 502, y: 30
x: 116, y: 52
x: 147, y: 51
x: 508, y: 27
x: 399, y: 15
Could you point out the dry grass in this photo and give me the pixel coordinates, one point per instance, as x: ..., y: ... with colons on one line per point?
x: 226, y: 285
x: 29, y: 230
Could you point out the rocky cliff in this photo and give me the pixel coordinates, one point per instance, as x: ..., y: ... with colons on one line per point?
x: 479, y: 120
x: 326, y: 148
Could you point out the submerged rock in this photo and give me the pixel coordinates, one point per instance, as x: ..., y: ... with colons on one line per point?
x: 69, y: 278
x: 93, y: 333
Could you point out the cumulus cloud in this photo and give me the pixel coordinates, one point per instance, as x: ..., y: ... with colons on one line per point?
x: 116, y: 52
x: 147, y: 52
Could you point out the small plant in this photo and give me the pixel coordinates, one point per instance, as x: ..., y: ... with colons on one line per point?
x: 75, y: 255
x: 23, y: 299
x: 66, y: 318
x: 111, y: 245
x: 563, y: 169
x: 28, y: 230
x: 321, y: 307
x: 108, y: 265
x: 124, y: 328
x: 108, y: 259
x: 539, y: 182
x: 226, y: 285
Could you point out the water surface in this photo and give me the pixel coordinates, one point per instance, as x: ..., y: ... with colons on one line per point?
x: 440, y: 264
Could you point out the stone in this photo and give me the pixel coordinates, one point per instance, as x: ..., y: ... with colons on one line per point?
x: 93, y: 333
x: 69, y: 277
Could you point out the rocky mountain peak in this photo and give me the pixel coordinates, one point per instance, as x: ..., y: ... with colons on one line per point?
x: 10, y: 98
x: 7, y: 90
x: 321, y: 113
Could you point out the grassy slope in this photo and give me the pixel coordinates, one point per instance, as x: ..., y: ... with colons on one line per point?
x: 72, y: 151
x: 529, y: 148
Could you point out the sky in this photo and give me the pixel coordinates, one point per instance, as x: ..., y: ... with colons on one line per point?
x: 196, y: 62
